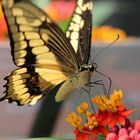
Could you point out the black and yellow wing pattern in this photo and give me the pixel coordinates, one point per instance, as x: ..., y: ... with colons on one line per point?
x: 44, y: 55
x: 79, y: 30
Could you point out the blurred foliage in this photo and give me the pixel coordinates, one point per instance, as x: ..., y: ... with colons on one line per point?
x: 41, y: 3
x: 64, y: 24
x: 102, y: 11
x: 107, y: 34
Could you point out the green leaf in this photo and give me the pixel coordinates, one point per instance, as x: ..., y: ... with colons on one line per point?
x: 64, y: 24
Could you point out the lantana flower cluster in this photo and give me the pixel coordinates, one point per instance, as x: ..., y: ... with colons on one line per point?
x: 111, y: 112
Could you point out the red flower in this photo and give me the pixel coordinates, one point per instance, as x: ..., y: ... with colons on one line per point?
x: 119, y: 116
x: 92, y: 128
x: 104, y: 117
x: 82, y: 135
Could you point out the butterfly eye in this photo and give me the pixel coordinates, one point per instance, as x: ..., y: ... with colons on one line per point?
x: 95, y: 66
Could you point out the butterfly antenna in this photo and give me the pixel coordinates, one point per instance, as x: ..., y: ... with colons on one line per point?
x: 107, y: 47
x: 90, y: 59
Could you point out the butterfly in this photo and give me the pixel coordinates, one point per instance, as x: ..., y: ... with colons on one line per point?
x: 44, y: 54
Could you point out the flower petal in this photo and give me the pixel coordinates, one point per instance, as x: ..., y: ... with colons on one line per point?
x: 126, y: 113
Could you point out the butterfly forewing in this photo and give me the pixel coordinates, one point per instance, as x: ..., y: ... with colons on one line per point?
x: 79, y: 30
x: 35, y: 38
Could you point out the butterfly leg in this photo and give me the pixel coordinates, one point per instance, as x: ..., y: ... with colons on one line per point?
x: 98, y: 82
x: 90, y: 98
x: 110, y: 81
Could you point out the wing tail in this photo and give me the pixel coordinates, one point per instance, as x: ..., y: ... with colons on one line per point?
x: 23, y: 87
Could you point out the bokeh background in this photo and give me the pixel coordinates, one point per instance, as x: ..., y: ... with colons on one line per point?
x: 121, y: 62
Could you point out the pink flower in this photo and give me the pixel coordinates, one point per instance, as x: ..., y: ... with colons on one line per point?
x: 112, y: 136
x: 133, y: 134
x: 130, y: 129
x: 124, y: 137
x: 137, y: 137
x: 123, y: 131
x: 137, y: 125
x: 115, y: 129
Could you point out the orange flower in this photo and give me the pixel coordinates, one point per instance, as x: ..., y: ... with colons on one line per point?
x: 107, y: 33
x: 3, y: 27
x: 91, y: 128
x: 111, y: 110
x: 111, y: 103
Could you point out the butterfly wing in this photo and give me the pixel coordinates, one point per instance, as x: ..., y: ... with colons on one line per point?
x: 28, y: 85
x: 41, y: 50
x: 79, y: 30
x: 34, y: 38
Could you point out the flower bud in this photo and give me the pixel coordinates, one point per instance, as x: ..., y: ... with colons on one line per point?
x: 124, y: 137
x: 111, y: 136
x: 137, y: 125
x: 133, y: 133
x: 137, y: 137
x: 115, y: 129
x: 123, y: 131
x: 129, y: 129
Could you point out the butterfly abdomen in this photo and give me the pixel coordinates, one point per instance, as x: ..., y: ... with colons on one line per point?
x: 77, y: 81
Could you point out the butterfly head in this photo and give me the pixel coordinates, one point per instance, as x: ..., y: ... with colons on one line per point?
x: 90, y: 67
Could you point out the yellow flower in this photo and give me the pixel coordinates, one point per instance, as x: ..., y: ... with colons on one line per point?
x: 74, y: 120
x: 91, y: 122
x: 101, y: 101
x: 82, y: 108
x: 110, y: 103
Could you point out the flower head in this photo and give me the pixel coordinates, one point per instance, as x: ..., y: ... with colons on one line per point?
x: 110, y: 113
x: 83, y: 108
x: 91, y: 122
x: 113, y: 108
x: 109, y: 104
x: 74, y: 120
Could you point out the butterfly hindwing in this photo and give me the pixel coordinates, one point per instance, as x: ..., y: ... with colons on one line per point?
x: 28, y: 85
x: 79, y: 30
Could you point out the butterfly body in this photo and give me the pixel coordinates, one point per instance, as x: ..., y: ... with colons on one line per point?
x: 44, y: 54
x: 78, y: 80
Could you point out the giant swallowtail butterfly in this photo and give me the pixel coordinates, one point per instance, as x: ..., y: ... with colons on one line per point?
x: 44, y: 54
